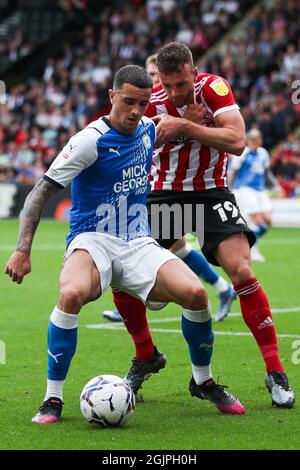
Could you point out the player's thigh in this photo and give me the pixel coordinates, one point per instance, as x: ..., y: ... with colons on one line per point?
x: 265, y: 207
x: 175, y: 282
x: 234, y: 255
x: 267, y: 218
x: 256, y: 218
x: 81, y: 274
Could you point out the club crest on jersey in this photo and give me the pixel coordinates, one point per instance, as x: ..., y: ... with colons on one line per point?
x: 219, y: 87
x: 180, y: 140
x: 208, y: 120
x: 146, y: 141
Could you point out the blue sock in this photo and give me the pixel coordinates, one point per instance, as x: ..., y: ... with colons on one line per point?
x: 197, y: 263
x: 198, y: 333
x: 263, y: 227
x: 260, y: 230
x: 62, y: 341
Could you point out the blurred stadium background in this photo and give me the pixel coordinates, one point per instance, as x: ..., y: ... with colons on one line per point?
x: 57, y: 60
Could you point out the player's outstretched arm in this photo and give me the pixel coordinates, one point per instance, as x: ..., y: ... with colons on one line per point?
x: 19, y: 263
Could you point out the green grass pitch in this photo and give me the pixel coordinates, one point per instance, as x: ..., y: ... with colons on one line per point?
x: 169, y: 418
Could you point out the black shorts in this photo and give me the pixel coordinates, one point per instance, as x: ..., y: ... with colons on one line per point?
x: 211, y: 215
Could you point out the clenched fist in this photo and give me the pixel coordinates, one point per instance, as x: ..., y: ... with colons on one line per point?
x: 167, y: 128
x: 18, y: 266
x: 195, y: 113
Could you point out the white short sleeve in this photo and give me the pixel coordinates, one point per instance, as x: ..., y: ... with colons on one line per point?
x: 266, y: 155
x: 236, y: 162
x: 79, y: 153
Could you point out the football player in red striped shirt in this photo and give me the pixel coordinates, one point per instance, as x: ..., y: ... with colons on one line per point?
x: 190, y: 169
x: 193, y: 258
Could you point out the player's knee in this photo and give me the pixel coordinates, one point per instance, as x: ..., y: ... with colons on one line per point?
x: 242, y: 272
x: 267, y: 220
x: 71, y: 299
x: 196, y: 297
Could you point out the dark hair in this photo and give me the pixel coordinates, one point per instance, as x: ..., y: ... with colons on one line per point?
x: 134, y: 75
x: 173, y: 56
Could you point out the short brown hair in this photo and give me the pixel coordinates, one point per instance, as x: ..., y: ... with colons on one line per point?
x: 172, y: 57
x: 254, y: 134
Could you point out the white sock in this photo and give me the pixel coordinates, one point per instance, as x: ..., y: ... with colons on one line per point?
x: 199, y: 316
x: 54, y: 389
x: 184, y: 251
x: 221, y: 285
x: 64, y: 320
x: 201, y: 373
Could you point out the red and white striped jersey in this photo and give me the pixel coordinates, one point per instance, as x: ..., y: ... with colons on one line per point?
x: 187, y: 165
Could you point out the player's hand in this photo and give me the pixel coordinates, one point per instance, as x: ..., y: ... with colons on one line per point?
x: 195, y: 113
x: 18, y: 266
x: 168, y: 128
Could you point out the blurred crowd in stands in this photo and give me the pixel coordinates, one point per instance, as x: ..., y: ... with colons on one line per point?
x: 15, y: 46
x: 260, y: 61
x: 286, y: 164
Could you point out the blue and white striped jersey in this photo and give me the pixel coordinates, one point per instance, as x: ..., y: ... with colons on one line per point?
x: 250, y: 169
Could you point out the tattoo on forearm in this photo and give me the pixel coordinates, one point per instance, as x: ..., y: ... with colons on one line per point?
x: 32, y: 211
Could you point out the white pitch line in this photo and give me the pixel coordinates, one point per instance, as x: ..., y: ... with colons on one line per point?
x: 273, y: 310
x: 280, y: 241
x: 120, y: 327
x: 222, y: 333
x: 50, y: 247
x: 234, y: 314
x: 274, y: 241
x: 53, y: 246
x: 114, y: 326
x: 164, y: 320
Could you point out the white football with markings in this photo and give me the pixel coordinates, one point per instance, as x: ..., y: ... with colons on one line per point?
x: 107, y: 401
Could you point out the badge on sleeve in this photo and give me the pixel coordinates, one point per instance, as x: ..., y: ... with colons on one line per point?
x: 219, y: 87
